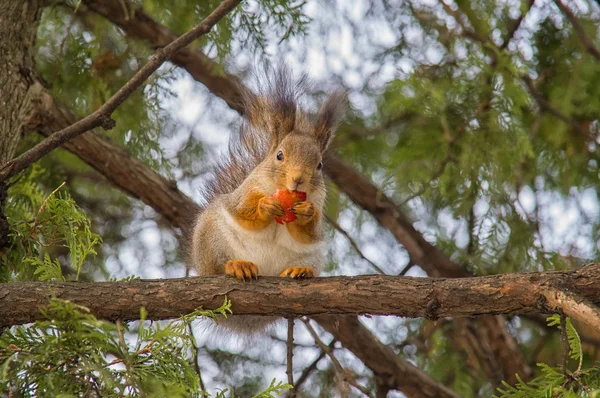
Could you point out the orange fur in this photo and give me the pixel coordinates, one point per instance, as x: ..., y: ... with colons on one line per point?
x: 256, y: 211
x: 305, y: 228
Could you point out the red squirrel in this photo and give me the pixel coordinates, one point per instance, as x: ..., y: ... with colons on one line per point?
x: 279, y: 147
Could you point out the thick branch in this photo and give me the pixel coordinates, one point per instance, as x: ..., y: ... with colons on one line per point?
x: 574, y: 306
x: 432, y: 298
x: 101, y: 117
x: 390, y: 370
x: 113, y: 162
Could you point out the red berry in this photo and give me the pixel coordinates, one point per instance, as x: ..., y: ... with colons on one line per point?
x: 287, y: 199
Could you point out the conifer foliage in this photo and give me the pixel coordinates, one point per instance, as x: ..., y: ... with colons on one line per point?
x: 474, y: 124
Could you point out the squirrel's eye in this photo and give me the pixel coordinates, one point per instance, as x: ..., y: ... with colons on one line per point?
x: 280, y: 156
x: 320, y: 166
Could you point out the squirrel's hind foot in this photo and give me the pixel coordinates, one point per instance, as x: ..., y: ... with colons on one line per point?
x: 298, y: 272
x: 241, y: 269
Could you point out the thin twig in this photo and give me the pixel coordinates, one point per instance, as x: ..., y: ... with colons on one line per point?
x: 338, y: 228
x: 588, y: 44
x: 313, y: 365
x: 515, y: 26
x: 434, y: 177
x: 102, y: 117
x: 545, y: 105
x: 290, y: 353
x: 42, y: 207
x: 345, y: 374
x: 196, y: 357
x: 469, y: 32
x: 565, y: 342
x: 407, y: 267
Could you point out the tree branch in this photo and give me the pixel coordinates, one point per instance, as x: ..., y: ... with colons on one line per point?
x: 431, y: 298
x: 588, y: 44
x: 574, y: 306
x: 113, y: 162
x: 101, y: 117
x: 136, y: 23
x: 516, y: 25
x: 289, y: 365
x: 354, y: 245
x: 547, y: 106
x: 366, y: 195
x: 390, y: 370
x: 344, y: 374
x: 313, y: 365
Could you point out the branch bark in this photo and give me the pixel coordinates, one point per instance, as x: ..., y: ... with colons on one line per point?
x: 431, y: 298
x: 574, y: 306
x: 101, y: 117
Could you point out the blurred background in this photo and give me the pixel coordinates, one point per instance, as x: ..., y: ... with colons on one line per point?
x: 478, y: 121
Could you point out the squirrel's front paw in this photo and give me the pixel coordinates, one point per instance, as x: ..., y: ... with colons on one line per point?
x: 241, y: 269
x: 298, y: 272
x: 304, y: 211
x: 270, y: 207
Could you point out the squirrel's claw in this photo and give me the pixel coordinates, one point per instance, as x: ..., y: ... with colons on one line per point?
x: 271, y: 206
x: 241, y: 269
x: 304, y: 211
x: 298, y: 272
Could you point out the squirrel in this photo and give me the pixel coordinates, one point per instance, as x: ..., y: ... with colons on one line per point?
x: 279, y: 146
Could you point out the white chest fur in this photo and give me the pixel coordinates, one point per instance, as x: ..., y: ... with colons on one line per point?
x: 273, y: 249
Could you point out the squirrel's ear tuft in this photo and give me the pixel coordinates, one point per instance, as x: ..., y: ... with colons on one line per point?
x: 330, y: 115
x: 283, y: 95
x: 273, y: 110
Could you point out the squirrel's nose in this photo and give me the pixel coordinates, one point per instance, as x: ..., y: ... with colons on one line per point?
x: 298, y: 180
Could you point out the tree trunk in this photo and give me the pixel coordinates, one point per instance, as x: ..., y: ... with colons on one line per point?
x: 18, y: 25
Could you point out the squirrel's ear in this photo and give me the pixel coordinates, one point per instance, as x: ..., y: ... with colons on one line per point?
x: 329, y: 117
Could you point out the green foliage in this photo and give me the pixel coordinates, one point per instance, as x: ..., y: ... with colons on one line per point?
x: 72, y: 353
x: 247, y: 25
x: 558, y: 381
x: 41, y: 225
x: 576, y: 351
x: 274, y: 390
